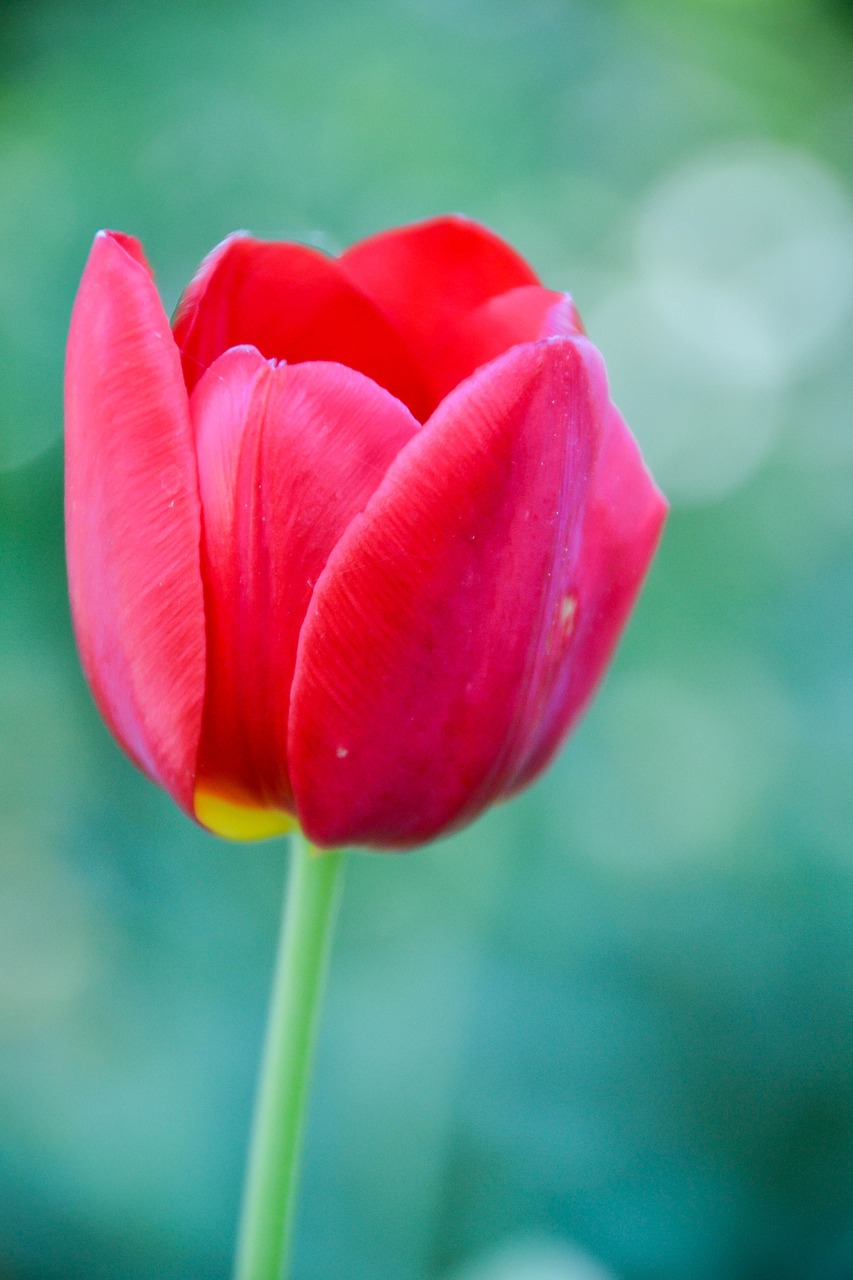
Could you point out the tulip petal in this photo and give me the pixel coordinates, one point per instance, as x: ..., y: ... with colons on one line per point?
x: 288, y: 455
x: 293, y: 303
x: 133, y: 517
x: 624, y: 518
x: 427, y: 277
x: 431, y: 672
x: 519, y: 315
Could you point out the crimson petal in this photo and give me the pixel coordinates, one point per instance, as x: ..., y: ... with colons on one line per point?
x: 519, y: 315
x: 292, y: 303
x: 133, y: 517
x: 431, y: 666
x: 288, y: 454
x: 427, y: 277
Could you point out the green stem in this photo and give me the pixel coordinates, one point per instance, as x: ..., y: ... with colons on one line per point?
x: 266, y: 1226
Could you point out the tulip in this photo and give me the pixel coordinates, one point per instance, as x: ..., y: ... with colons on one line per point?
x: 351, y: 542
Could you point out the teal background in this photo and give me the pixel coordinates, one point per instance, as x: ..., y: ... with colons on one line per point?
x: 607, y: 1032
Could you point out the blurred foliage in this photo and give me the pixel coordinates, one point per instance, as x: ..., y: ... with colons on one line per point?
x: 607, y: 1031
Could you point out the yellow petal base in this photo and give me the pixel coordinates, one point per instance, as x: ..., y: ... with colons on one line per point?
x: 235, y: 821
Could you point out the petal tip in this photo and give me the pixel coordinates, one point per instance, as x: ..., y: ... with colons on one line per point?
x: 119, y: 243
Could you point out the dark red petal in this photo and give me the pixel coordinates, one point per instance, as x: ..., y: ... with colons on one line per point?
x: 287, y: 456
x: 427, y: 277
x: 132, y: 517
x: 292, y: 303
x: 439, y: 629
x: 519, y: 315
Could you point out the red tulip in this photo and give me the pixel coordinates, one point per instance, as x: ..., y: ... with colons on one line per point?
x: 354, y: 539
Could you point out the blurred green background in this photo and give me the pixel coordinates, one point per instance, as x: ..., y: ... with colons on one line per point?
x: 606, y: 1033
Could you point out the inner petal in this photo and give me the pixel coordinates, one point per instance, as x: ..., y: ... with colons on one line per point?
x: 292, y: 303
x: 428, y: 276
x: 520, y: 315
x: 287, y: 456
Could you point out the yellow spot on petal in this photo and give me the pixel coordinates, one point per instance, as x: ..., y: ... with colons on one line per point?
x: 568, y: 609
x: 235, y: 821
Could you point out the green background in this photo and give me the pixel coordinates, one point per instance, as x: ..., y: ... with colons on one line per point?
x: 607, y: 1032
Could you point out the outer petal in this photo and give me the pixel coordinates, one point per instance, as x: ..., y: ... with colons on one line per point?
x: 433, y: 658
x: 133, y: 517
x: 292, y: 303
x: 623, y: 520
x: 287, y: 456
x: 427, y: 277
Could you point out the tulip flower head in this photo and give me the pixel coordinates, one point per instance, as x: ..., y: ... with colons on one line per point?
x: 352, y: 541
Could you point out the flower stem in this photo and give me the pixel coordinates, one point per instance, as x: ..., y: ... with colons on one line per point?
x: 266, y: 1226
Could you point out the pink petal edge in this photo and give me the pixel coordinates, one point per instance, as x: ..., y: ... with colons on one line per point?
x: 133, y: 517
